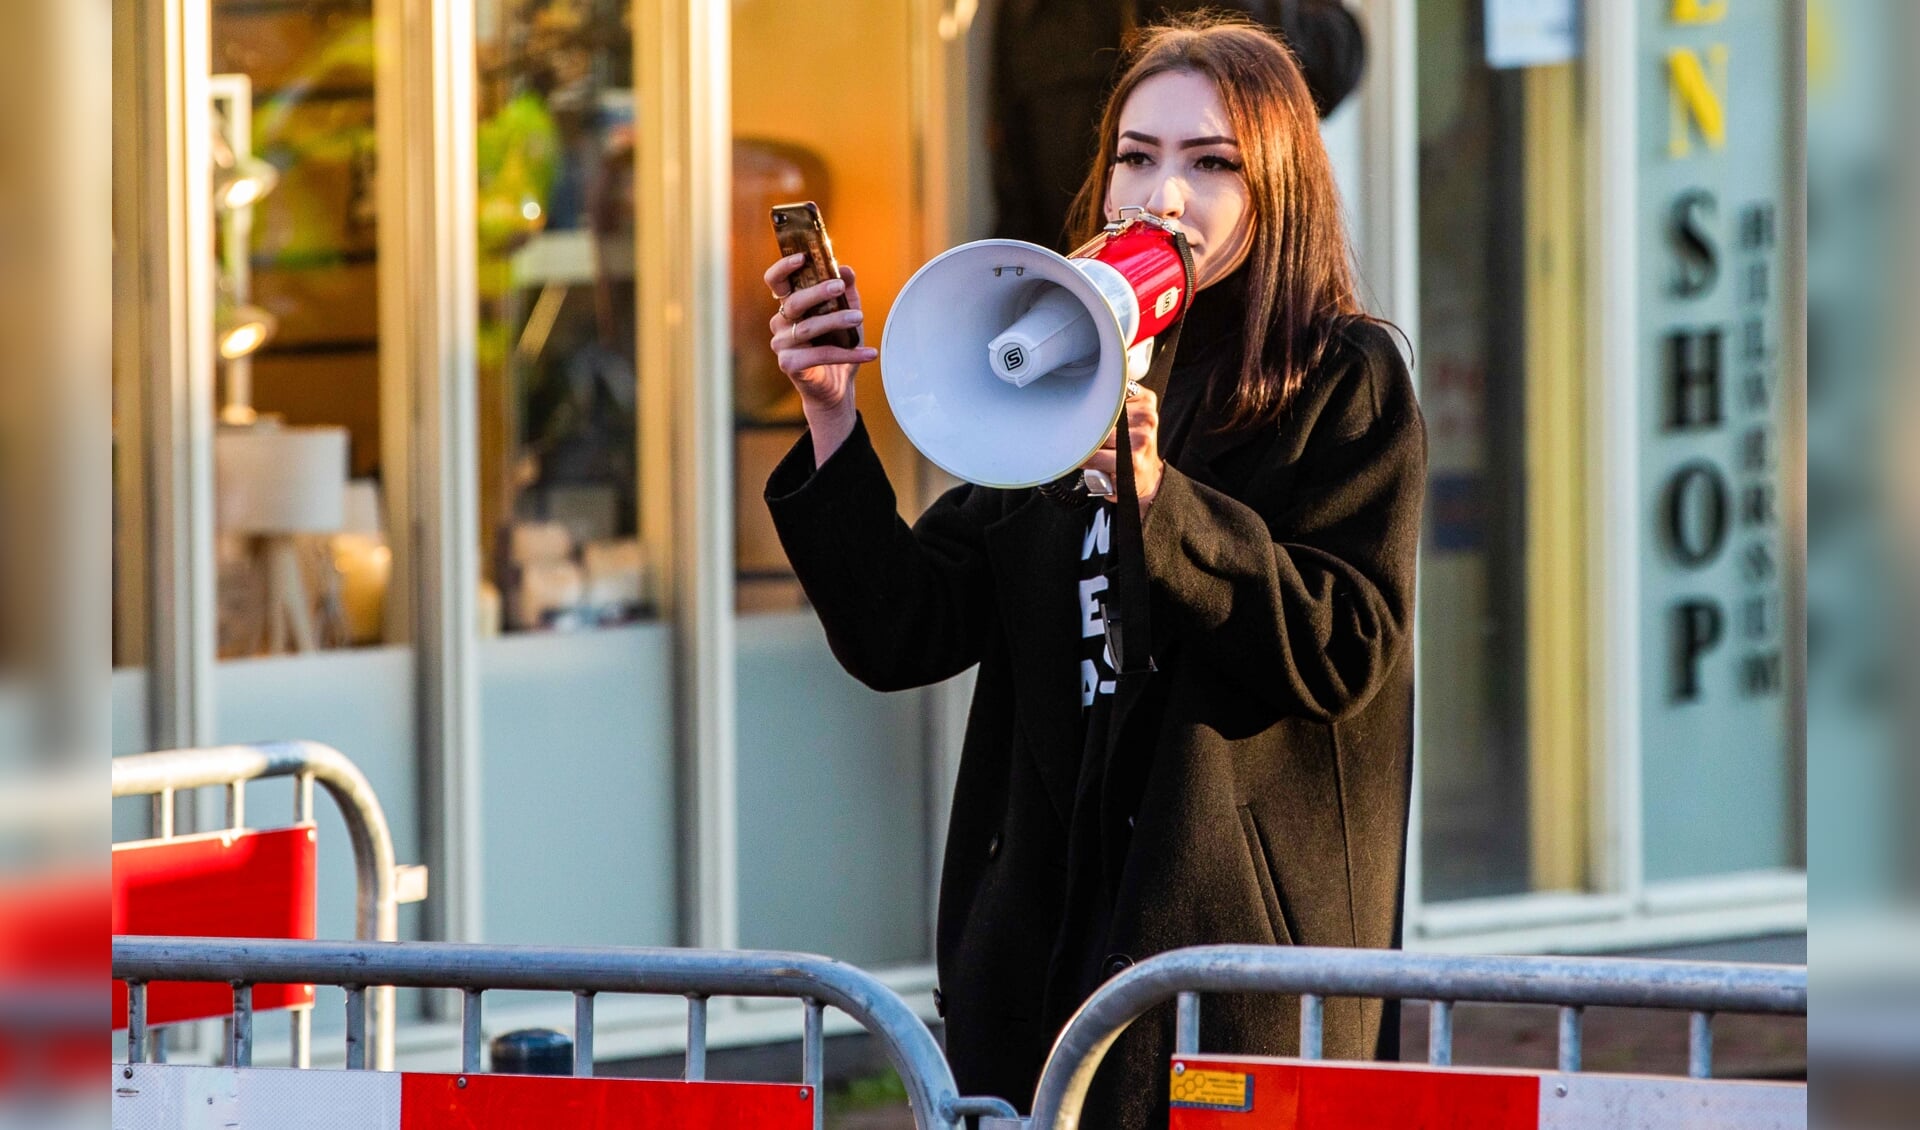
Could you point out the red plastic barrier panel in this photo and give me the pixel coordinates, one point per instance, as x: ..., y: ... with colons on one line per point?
x: 233, y: 884
x: 1247, y: 1093
x: 1212, y: 1093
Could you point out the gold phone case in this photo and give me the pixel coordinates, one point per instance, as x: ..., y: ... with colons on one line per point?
x: 798, y: 229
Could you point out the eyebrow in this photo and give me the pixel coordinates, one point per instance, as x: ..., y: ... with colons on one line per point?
x: 1190, y: 143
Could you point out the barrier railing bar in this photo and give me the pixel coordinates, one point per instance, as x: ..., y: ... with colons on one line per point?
x: 1186, y: 1025
x: 1570, y: 1037
x: 300, y: 1039
x: 1312, y: 1025
x: 236, y: 804
x: 1323, y: 972
x: 1440, y: 1033
x: 376, y: 906
x: 136, y: 1022
x: 359, y: 966
x: 356, y: 1027
x: 813, y: 1055
x: 470, y: 1030
x: 583, y: 1034
x: 240, y: 1049
x: 979, y: 1106
x: 696, y: 1038
x: 1700, y: 1045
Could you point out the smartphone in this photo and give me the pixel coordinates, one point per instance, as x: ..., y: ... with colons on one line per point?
x: 799, y: 230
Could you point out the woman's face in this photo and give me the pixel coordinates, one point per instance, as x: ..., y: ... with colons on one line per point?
x: 1177, y: 157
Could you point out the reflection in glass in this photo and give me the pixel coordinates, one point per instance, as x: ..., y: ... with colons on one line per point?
x: 301, y: 545
x: 1503, y: 623
x: 559, y: 498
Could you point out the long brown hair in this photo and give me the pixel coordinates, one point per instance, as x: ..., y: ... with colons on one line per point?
x: 1299, y: 272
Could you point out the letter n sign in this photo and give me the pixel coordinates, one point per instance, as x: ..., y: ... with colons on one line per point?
x: 1698, y: 95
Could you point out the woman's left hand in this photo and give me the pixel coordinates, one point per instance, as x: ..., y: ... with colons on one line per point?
x: 1143, y: 425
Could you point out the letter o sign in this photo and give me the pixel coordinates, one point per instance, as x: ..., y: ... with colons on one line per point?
x: 1695, y: 510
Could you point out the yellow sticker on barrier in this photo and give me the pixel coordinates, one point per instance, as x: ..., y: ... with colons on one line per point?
x: 1211, y: 1090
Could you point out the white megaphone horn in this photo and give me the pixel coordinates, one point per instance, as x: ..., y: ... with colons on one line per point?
x: 1007, y: 364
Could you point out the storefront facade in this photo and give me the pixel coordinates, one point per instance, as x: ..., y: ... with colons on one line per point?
x: 511, y: 394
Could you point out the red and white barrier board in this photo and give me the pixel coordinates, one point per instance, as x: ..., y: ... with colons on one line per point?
x: 176, y: 1097
x: 1246, y: 1093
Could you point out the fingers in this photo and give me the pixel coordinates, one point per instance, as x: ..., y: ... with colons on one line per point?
x: 853, y: 292
x: 1143, y: 426
x: 793, y: 362
x: 792, y: 336
x: 776, y: 276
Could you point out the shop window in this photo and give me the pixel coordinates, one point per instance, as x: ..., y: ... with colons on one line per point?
x: 302, y: 485
x: 1503, y: 619
x: 833, y: 778
x: 559, y: 481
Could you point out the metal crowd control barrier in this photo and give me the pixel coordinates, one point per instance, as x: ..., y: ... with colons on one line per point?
x: 1573, y: 984
x: 695, y: 974
x: 380, y: 884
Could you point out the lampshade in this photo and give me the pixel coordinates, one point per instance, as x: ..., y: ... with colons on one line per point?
x: 281, y: 480
x: 362, y: 509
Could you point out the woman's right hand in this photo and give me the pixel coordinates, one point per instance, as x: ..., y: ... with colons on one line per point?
x: 823, y: 374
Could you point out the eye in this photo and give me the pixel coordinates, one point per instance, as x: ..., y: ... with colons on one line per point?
x: 1133, y: 159
x: 1215, y: 163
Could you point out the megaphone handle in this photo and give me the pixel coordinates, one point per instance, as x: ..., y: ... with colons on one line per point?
x: 1128, y: 619
x: 1129, y: 633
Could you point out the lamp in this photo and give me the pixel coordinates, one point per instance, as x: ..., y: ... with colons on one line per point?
x: 273, y: 483
x: 242, y: 328
x: 242, y: 183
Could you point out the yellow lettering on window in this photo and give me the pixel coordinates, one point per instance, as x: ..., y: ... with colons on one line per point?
x: 1819, y: 46
x: 1696, y: 98
x: 1699, y: 11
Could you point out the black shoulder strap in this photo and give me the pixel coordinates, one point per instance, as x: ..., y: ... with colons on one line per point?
x: 1129, y: 630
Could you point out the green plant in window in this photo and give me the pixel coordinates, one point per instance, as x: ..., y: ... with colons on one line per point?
x: 517, y: 152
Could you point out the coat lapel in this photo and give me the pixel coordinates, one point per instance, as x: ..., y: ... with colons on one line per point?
x: 1035, y: 555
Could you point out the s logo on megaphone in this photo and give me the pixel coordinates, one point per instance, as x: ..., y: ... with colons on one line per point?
x: 1006, y: 364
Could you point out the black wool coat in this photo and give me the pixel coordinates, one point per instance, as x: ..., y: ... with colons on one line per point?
x: 1256, y: 786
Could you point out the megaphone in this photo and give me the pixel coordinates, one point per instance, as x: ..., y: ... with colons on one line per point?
x: 1007, y: 364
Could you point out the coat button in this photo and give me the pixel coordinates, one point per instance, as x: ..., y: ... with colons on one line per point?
x: 1117, y: 963
x: 993, y: 846
x: 939, y: 1003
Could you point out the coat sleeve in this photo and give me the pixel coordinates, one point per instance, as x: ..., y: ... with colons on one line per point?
x: 1311, y: 605
x: 902, y: 607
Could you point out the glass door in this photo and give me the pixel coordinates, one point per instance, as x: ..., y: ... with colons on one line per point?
x: 834, y: 852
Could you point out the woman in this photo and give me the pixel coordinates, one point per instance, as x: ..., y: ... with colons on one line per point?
x: 1254, y: 788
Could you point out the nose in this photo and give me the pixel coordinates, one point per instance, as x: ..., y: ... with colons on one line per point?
x: 1169, y: 199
